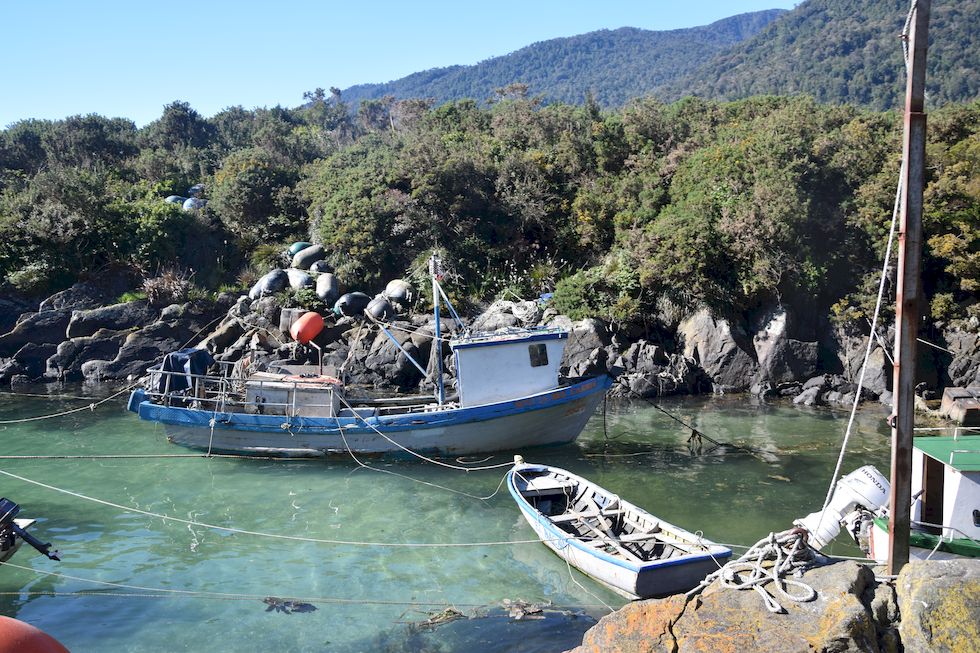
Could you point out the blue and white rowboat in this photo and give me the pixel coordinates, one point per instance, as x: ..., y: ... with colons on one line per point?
x: 613, y: 541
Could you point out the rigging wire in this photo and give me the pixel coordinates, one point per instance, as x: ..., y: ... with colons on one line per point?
x: 278, y: 536
x: 160, y: 592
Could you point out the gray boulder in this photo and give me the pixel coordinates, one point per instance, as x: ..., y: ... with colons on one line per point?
x: 964, y: 369
x: 83, y: 295
x: 723, y: 351
x: 44, y: 327
x: 10, y: 309
x: 809, y: 397
x: 782, y: 358
x: 29, y: 361
x: 66, y: 363
x: 585, y: 352
x: 117, y: 317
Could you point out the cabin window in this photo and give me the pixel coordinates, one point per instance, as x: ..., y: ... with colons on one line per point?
x: 539, y: 354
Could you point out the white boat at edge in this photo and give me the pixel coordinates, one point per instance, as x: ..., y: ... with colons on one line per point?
x: 7, y: 554
x: 612, y: 540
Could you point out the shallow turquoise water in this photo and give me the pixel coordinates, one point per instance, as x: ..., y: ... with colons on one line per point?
x: 367, y: 597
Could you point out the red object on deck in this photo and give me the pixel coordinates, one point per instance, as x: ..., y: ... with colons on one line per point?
x: 18, y: 637
x: 307, y: 327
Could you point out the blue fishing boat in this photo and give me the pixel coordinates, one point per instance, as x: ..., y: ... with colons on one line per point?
x: 509, y: 395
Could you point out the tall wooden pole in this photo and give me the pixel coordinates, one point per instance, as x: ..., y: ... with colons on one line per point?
x: 909, y: 290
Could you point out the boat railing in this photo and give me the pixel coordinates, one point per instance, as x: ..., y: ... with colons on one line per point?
x: 223, y: 393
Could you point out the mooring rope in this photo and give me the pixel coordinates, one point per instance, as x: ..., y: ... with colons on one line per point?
x: 418, y: 455
x: 139, y: 591
x: 278, y: 536
x: 415, y: 480
x: 768, y: 561
x: 91, y: 407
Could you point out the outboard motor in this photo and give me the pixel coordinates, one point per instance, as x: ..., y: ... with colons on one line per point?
x: 863, y: 489
x: 10, y: 531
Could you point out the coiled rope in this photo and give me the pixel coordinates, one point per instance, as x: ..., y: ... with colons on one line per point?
x: 768, y: 561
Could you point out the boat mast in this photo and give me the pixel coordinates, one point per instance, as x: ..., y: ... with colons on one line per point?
x: 435, y: 271
x: 909, y: 291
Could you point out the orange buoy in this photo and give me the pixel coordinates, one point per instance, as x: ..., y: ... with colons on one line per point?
x: 18, y: 637
x: 307, y: 327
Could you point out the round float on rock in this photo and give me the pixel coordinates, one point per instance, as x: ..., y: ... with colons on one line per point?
x: 272, y: 282
x: 380, y: 309
x: 352, y: 304
x: 18, y: 637
x: 321, y: 266
x: 303, y: 259
x: 299, y: 279
x: 328, y: 288
x: 399, y: 291
x: 297, y: 247
x: 175, y: 199
x: 307, y: 327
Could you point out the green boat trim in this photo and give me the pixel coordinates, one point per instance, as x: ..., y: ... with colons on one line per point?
x: 961, y: 546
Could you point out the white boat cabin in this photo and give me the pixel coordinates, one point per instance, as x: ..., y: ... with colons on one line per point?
x: 507, y: 365
x: 303, y: 395
x: 946, y: 484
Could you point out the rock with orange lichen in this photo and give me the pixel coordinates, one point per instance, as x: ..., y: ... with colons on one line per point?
x: 939, y: 602
x: 639, y: 627
x: 726, y: 620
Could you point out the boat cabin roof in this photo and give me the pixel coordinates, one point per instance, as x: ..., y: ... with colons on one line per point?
x: 961, y: 453
x: 507, y: 336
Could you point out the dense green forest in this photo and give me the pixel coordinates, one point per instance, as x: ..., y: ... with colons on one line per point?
x: 837, y: 51
x: 613, y: 66
x: 845, y: 51
x: 632, y: 215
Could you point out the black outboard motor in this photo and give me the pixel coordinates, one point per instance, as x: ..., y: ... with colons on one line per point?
x: 10, y: 531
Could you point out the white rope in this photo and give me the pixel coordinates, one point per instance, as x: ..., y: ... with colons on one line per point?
x: 159, y: 592
x: 90, y: 407
x: 415, y: 453
x: 278, y: 536
x: 788, y: 553
x: 867, y: 352
x: 415, y: 480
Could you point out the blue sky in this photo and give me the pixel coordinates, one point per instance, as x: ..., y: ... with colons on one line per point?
x: 60, y: 57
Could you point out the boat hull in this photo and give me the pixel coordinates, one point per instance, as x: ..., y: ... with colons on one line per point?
x: 549, y: 418
x: 657, y: 578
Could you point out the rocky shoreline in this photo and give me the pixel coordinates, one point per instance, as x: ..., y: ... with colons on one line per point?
x: 930, y: 606
x: 80, y: 334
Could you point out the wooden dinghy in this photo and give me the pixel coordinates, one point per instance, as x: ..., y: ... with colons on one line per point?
x: 611, y: 540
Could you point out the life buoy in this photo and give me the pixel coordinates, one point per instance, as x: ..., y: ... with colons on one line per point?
x: 307, y: 327
x: 19, y: 637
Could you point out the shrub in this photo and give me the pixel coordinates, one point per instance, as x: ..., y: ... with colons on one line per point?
x: 169, y: 287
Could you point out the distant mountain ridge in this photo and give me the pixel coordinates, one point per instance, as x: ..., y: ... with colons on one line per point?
x: 838, y: 51
x: 845, y: 51
x: 614, y: 65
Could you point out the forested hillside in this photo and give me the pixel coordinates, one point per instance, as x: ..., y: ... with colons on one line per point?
x: 613, y: 65
x: 845, y: 51
x: 632, y: 215
x: 838, y: 51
